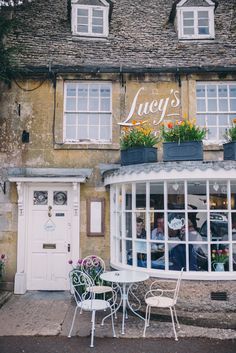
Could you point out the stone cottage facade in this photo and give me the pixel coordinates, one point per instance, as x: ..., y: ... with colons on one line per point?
x: 90, y: 67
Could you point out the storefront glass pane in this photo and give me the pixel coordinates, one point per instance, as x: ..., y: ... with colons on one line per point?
x: 219, y: 257
x: 128, y: 197
x: 176, y: 195
x: 234, y: 257
x: 176, y: 226
x: 157, y: 226
x: 233, y: 195
x: 141, y: 225
x: 198, y: 257
x: 128, y: 225
x: 233, y: 220
x: 197, y: 230
x: 128, y: 249
x: 156, y: 196
x: 158, y: 256
x: 196, y: 196
x: 141, y: 253
x: 141, y: 196
x: 218, y: 195
x: 177, y: 257
x: 219, y: 226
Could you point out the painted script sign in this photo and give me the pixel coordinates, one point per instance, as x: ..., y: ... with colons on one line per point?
x: 154, y: 104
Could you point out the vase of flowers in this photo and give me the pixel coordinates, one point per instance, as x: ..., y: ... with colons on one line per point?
x: 137, y: 143
x: 182, y: 141
x: 230, y: 146
x: 219, y: 258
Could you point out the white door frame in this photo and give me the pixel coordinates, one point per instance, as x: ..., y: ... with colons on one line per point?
x: 23, y: 184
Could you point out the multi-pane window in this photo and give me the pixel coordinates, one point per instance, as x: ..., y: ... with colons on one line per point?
x: 90, y: 20
x: 216, y: 107
x: 196, y: 23
x: 87, y: 112
x: 167, y: 225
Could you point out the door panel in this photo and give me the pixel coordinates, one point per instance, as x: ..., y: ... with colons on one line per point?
x: 49, y: 233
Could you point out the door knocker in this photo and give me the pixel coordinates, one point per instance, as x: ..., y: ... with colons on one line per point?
x: 49, y: 211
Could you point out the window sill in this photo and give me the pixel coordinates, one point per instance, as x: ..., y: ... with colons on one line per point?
x: 86, y: 146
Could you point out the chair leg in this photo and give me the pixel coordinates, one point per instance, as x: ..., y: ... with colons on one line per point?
x: 73, y: 321
x: 93, y: 328
x: 173, y: 323
x: 176, y: 318
x: 149, y: 315
x: 146, y: 320
x: 112, y: 323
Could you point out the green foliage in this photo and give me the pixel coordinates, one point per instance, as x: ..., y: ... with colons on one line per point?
x: 182, y: 131
x: 140, y: 134
x: 230, y: 135
x: 7, y: 63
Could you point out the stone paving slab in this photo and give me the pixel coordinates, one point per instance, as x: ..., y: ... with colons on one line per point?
x: 50, y: 314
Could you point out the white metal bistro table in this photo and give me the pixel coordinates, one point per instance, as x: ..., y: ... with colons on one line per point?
x: 125, y: 279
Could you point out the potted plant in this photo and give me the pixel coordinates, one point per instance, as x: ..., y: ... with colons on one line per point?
x: 219, y: 258
x: 182, y: 140
x: 230, y: 145
x: 137, y: 143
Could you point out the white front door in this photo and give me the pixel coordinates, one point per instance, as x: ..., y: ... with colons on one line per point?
x: 49, y: 237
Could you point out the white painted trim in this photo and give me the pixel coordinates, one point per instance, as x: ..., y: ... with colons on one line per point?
x: 171, y: 175
x: 182, y: 2
x: 105, y: 11
x: 23, y: 185
x: 195, y: 10
x: 48, y: 179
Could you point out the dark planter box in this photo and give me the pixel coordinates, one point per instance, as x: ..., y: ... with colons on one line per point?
x: 184, y: 151
x: 136, y: 155
x: 230, y: 151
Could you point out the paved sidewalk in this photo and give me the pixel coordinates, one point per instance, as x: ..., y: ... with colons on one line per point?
x: 50, y: 314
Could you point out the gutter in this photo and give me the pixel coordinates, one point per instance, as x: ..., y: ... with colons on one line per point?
x: 60, y: 69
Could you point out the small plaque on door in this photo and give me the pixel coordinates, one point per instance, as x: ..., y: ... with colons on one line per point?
x: 49, y: 246
x: 60, y: 214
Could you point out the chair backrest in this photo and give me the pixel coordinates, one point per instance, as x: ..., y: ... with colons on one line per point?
x: 176, y: 293
x: 93, y: 266
x: 80, y: 281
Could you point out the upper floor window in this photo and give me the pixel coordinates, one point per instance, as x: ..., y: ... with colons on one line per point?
x: 195, y: 22
x: 87, y: 112
x: 89, y: 20
x: 216, y: 107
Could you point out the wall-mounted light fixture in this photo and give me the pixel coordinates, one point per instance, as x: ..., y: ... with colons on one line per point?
x: 3, y: 186
x: 25, y: 137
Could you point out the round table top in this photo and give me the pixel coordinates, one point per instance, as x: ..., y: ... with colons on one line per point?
x: 124, y: 276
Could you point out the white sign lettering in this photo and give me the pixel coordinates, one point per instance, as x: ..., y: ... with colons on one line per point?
x: 155, y: 106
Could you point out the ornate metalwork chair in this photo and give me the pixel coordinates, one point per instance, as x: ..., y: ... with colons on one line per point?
x: 157, y: 297
x: 81, y: 284
x: 94, y: 266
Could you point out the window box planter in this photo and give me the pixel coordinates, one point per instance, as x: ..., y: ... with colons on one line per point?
x: 229, y: 151
x: 183, y: 151
x: 138, y: 155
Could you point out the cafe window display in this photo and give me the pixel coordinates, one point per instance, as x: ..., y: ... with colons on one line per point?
x: 167, y: 225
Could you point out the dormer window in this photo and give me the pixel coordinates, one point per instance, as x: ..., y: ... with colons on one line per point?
x: 195, y: 22
x: 90, y: 20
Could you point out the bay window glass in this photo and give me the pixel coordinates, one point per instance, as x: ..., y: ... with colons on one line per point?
x: 87, y: 112
x: 169, y: 225
x: 216, y: 108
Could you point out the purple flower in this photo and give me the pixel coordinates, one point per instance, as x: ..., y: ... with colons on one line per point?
x: 3, y: 256
x: 79, y: 262
x: 70, y: 262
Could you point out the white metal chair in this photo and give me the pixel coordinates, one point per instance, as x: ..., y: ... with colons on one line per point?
x: 85, y: 301
x: 162, y: 298
x: 94, y: 266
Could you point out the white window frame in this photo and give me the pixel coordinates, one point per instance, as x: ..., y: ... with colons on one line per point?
x: 217, y: 112
x: 195, y: 10
x: 118, y: 183
x: 77, y: 111
x: 105, y: 11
